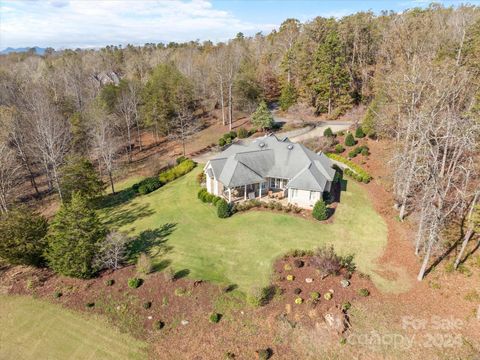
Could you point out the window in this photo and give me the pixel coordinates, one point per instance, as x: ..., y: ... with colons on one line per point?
x: 312, y: 195
x: 294, y: 192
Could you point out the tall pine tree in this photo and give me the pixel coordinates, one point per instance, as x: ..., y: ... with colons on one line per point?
x: 329, y: 78
x: 74, y: 238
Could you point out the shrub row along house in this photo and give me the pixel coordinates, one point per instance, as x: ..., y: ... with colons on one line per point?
x: 270, y: 167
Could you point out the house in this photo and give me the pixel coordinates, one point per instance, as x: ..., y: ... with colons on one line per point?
x: 270, y: 167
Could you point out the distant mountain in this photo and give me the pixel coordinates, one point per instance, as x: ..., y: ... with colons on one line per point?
x: 38, y: 50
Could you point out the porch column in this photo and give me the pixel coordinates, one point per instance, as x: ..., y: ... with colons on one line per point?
x: 245, y: 193
x: 229, y: 195
x: 260, y: 190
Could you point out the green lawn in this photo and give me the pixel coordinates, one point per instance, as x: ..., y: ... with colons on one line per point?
x: 34, y: 329
x: 240, y: 250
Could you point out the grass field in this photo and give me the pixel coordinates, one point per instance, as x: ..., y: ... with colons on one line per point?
x: 241, y: 249
x: 34, y: 329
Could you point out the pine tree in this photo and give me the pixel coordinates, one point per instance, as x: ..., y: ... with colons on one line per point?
x: 320, y: 211
x: 22, y: 237
x: 262, y: 117
x: 359, y: 133
x: 288, y: 96
x: 328, y: 132
x: 79, y: 175
x: 330, y: 77
x: 74, y: 238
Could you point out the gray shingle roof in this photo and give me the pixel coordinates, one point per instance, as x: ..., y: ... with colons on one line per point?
x: 270, y: 157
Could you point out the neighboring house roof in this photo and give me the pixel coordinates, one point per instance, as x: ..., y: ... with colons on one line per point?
x: 270, y: 157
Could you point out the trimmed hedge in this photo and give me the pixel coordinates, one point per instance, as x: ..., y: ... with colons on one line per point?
x: 153, y: 183
x: 358, y: 172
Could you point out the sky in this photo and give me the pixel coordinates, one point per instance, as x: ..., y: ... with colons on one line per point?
x: 94, y: 23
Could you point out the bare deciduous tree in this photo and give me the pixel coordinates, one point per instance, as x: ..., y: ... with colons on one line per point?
x: 112, y: 253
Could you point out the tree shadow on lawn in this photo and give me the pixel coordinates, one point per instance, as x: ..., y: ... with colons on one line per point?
x: 153, y: 242
x: 128, y: 215
x: 113, y: 200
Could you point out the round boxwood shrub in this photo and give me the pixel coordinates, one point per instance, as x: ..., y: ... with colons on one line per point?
x: 328, y: 132
x: 298, y: 300
x: 215, y: 318
x: 346, y: 306
x: 297, y: 291
x: 134, y: 283
x: 263, y: 354
x: 221, y: 142
x: 290, y: 277
x: 57, y: 294
x: 223, y: 209
x: 109, y: 282
x: 328, y: 295
x: 314, y: 295
x: 359, y: 132
x: 287, y: 267
x: 349, y: 140
x: 339, y: 148
x: 320, y: 211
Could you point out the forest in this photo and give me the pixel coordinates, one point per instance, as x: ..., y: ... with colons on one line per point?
x: 416, y: 72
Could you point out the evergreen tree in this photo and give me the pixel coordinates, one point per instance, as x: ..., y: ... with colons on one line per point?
x: 74, y: 238
x: 79, y: 175
x: 328, y: 132
x: 288, y: 96
x: 22, y: 237
x: 330, y: 77
x: 223, y: 209
x: 262, y: 117
x: 349, y: 140
x: 320, y: 211
x: 359, y: 133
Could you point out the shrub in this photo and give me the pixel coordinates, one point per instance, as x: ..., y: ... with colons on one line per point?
x: 181, y: 159
x: 174, y: 173
x: 363, y: 292
x: 201, y: 177
x: 327, y: 261
x: 221, y: 142
x: 147, y: 305
x: 158, y: 325
x: 144, y: 264
x: 320, y: 211
x: 339, y: 148
x: 297, y: 291
x: 315, y: 295
x: 57, y: 294
x: 349, y: 140
x: 358, y: 174
x: 214, y: 318
x: 233, y: 134
x: 228, y: 140
x: 298, y: 263
x: 147, y: 185
x: 328, y: 295
x: 298, y: 300
x: 365, y: 151
x: 359, y: 132
x: 261, y: 296
x: 181, y: 291
x: 109, y: 282
x: 263, y: 354
x: 328, y: 132
x: 290, y: 277
x: 134, y: 283
x: 346, y: 306
x: 287, y: 267
x: 223, y: 209
x: 90, y: 304
x: 243, y: 133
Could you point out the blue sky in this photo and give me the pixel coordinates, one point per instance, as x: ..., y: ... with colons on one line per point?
x: 94, y: 23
